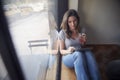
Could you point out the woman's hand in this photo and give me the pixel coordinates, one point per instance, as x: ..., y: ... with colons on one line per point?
x: 71, y: 49
x: 83, y: 39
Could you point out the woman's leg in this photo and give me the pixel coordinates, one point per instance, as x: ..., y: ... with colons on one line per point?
x: 68, y: 60
x: 92, y: 66
x: 76, y: 60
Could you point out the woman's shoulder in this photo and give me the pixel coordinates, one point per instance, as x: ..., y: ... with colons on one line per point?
x: 61, y: 32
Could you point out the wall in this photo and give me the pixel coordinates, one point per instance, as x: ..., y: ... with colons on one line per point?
x: 73, y: 4
x: 101, y: 20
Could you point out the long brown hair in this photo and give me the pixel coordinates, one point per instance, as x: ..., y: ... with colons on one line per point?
x: 64, y: 24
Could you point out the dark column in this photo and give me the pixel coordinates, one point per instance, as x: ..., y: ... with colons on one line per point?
x: 62, y: 8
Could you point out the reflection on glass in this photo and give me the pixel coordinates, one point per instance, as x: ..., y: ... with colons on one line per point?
x: 53, y: 34
x: 34, y: 36
x: 53, y: 48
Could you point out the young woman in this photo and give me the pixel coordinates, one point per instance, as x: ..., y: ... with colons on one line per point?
x: 71, y: 39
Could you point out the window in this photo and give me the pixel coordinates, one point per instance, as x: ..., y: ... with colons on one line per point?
x: 30, y: 31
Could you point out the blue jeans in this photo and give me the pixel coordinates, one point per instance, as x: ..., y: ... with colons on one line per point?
x: 77, y: 61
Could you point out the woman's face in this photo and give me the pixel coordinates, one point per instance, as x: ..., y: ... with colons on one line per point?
x: 72, y: 22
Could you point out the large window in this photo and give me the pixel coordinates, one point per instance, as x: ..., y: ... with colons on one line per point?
x: 33, y: 30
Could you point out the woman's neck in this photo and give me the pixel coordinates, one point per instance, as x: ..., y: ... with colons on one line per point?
x: 74, y: 34
x: 73, y: 31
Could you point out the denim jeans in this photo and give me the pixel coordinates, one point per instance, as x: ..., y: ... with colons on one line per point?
x: 82, y: 66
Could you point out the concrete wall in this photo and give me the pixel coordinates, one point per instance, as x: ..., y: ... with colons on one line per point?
x: 73, y: 4
x: 101, y: 20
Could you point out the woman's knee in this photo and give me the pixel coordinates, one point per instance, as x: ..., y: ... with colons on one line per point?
x: 89, y: 54
x: 77, y: 54
x: 78, y: 58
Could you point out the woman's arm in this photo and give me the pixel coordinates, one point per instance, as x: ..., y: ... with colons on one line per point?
x: 62, y: 48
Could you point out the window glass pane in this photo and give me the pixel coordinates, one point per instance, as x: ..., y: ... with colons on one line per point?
x: 3, y: 72
x: 33, y: 30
